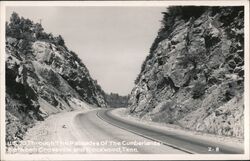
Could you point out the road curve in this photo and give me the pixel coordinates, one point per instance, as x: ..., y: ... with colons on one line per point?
x: 78, y: 132
x: 183, y: 142
x: 90, y: 127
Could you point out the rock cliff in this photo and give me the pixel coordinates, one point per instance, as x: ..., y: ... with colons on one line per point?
x: 42, y: 77
x: 194, y: 74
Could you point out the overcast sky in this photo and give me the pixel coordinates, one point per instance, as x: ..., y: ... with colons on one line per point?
x: 111, y: 41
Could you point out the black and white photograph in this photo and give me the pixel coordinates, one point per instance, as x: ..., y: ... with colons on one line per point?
x: 133, y: 80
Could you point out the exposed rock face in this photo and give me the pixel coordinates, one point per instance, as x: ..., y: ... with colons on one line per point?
x: 194, y: 77
x: 42, y: 79
x: 115, y: 100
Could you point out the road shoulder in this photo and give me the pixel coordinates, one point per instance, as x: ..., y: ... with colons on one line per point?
x: 224, y: 140
x: 56, y: 128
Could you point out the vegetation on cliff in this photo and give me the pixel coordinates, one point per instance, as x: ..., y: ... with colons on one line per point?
x: 42, y: 77
x: 115, y: 100
x: 194, y: 73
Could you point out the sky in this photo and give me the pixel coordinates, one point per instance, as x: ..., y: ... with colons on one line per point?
x: 111, y: 41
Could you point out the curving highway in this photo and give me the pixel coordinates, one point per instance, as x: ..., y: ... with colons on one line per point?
x: 92, y: 127
x: 124, y: 136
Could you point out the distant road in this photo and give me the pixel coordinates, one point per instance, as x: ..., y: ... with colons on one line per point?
x: 179, y: 142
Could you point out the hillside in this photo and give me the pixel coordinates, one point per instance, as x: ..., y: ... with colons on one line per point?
x: 194, y: 74
x: 115, y: 100
x: 42, y: 77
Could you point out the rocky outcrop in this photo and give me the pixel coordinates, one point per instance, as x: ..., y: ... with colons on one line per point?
x: 194, y: 74
x: 42, y: 77
x: 115, y: 100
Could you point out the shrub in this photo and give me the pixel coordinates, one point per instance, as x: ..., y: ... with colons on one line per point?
x: 183, y: 12
x: 168, y: 21
x: 59, y: 41
x: 27, y: 30
x: 20, y: 28
x: 198, y: 90
x: 143, y: 66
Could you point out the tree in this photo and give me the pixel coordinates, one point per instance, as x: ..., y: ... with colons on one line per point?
x: 26, y: 25
x: 20, y: 28
x: 60, y: 41
x: 38, y: 30
x: 14, y: 26
x: 7, y: 29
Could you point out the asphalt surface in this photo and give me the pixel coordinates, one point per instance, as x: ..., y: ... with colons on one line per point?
x: 92, y: 128
x: 184, y: 143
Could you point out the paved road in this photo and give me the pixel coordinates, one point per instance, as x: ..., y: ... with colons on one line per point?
x: 91, y: 127
x: 183, y: 142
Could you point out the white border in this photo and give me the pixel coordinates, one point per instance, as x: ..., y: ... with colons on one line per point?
x: 5, y: 156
